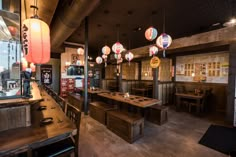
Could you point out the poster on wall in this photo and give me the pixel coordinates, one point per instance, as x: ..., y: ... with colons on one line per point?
x: 210, y: 67
x: 46, y: 74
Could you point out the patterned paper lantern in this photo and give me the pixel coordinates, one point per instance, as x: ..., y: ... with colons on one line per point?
x: 106, y: 50
x: 32, y: 67
x: 151, y: 33
x: 164, y: 41
x: 155, y: 62
x: 99, y: 60
x: 117, y: 48
x: 129, y: 56
x: 36, y: 41
x: 80, y: 51
x: 117, y: 56
x: 153, y: 50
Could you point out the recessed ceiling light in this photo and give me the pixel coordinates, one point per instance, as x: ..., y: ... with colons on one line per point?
x: 139, y: 28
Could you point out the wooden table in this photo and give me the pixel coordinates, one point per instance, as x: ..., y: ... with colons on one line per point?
x: 191, y: 96
x: 134, y: 100
x: 25, y: 139
x: 93, y: 93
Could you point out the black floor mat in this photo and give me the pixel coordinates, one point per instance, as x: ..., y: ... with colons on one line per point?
x: 220, y: 138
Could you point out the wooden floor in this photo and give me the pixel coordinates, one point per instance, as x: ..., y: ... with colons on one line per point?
x: 177, y: 138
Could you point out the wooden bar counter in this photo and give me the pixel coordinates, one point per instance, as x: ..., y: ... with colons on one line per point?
x: 41, y: 132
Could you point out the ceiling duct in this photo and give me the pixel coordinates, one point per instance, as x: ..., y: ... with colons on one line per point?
x: 68, y: 18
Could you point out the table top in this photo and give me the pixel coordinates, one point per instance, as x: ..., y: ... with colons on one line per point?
x: 38, y: 134
x: 20, y: 101
x: 95, y: 91
x: 134, y: 100
x: 141, y: 89
x: 190, y: 95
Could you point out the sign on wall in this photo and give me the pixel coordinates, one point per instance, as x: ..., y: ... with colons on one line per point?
x: 210, y: 67
x: 46, y: 74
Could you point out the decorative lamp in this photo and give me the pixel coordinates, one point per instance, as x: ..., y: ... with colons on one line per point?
x: 32, y: 67
x: 129, y: 56
x: 153, y: 50
x: 36, y: 41
x: 80, y: 51
x: 12, y: 30
x: 99, y: 60
x: 106, y: 50
x: 163, y: 42
x: 105, y: 59
x: 117, y: 48
x: 155, y: 62
x: 151, y: 33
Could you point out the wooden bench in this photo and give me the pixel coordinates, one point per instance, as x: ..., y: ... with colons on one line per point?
x: 98, y: 111
x: 76, y: 100
x: 157, y: 114
x: 127, y: 126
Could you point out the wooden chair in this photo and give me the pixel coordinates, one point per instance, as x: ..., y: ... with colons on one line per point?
x: 67, y: 146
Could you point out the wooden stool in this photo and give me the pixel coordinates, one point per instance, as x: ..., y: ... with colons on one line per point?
x: 157, y: 114
x: 98, y: 111
x: 127, y: 126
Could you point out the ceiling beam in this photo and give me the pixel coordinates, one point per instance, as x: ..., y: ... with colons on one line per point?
x: 215, y: 38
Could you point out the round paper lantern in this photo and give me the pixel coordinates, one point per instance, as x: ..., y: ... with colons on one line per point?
x: 36, y: 41
x: 117, y: 56
x: 164, y: 41
x: 80, y: 51
x: 151, y: 33
x: 153, y: 50
x: 32, y: 67
x: 129, y: 56
x: 117, y: 48
x: 155, y: 62
x: 12, y: 30
x: 106, y: 50
x: 104, y: 56
x: 99, y: 60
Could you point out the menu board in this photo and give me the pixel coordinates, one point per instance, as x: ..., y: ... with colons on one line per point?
x: 210, y: 67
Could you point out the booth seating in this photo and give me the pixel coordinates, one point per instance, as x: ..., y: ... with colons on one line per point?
x: 98, y: 111
x: 157, y: 114
x: 126, y: 125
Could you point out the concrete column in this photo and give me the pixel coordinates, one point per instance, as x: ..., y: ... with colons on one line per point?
x: 86, y: 69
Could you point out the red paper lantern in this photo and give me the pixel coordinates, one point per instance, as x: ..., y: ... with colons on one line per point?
x: 36, y: 41
x: 12, y: 30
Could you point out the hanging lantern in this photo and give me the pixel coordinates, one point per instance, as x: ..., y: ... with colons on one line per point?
x: 99, y: 60
x: 36, y: 41
x: 129, y: 56
x: 151, y: 33
x: 24, y: 64
x: 117, y: 48
x: 105, y: 59
x: 155, y: 62
x: 164, y: 41
x: 153, y: 50
x: 32, y: 67
x: 80, y: 51
x: 117, y: 56
x: 106, y: 50
x: 12, y: 30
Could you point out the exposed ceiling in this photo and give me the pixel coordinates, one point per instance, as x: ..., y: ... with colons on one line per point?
x: 127, y: 20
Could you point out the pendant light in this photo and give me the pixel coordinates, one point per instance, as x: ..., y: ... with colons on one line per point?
x: 36, y: 39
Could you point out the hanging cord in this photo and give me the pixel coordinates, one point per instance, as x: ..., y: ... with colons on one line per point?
x: 164, y: 20
x: 118, y: 31
x: 35, y: 9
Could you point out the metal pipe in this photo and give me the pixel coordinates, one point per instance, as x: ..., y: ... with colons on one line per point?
x: 86, y: 69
